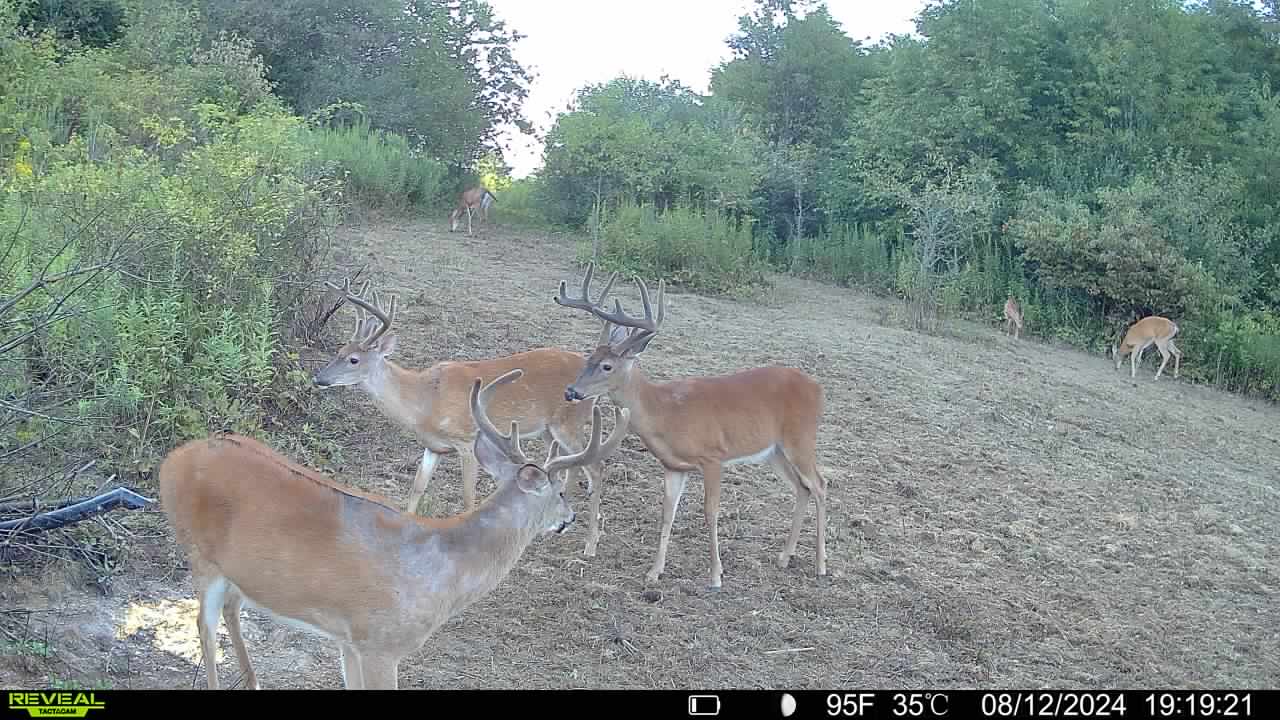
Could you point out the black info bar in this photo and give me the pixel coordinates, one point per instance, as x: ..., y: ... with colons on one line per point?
x: 102, y: 704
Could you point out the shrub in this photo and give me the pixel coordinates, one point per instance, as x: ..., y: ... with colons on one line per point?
x: 160, y: 233
x: 380, y: 168
x: 704, y: 252
x: 846, y: 255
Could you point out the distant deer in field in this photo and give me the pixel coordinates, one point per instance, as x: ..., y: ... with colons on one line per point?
x: 263, y: 531
x: 476, y: 198
x: 1013, y: 317
x: 1150, y: 330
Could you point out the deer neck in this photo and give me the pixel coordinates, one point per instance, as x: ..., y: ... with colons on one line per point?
x: 643, y: 398
x: 470, y: 558
x: 404, y: 395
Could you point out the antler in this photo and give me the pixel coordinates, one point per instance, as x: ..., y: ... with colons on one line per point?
x: 384, y: 314
x: 594, y: 451
x: 645, y: 329
x: 641, y: 326
x: 510, y: 444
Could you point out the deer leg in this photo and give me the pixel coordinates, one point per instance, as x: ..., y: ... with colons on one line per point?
x: 783, y: 467
x: 592, y: 482
x: 211, y: 600
x: 674, y: 486
x: 1177, y: 358
x: 1164, y: 355
x: 352, y: 673
x: 597, y: 489
x: 231, y: 608
x: 711, y: 474
x: 819, y: 491
x: 470, y: 470
x: 422, y: 478
x: 381, y: 672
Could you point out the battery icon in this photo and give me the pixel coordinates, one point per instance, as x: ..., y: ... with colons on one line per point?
x: 704, y: 705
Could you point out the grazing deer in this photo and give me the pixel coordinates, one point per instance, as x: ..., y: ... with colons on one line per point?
x: 476, y: 198
x: 762, y: 415
x: 432, y: 403
x: 1012, y: 317
x: 262, y: 530
x: 1150, y: 330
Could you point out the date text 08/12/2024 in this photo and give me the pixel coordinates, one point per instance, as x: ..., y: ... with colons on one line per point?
x: 1053, y: 703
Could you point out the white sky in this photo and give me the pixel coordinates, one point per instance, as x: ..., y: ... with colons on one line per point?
x: 571, y: 43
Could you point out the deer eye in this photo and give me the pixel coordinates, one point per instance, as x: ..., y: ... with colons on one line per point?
x: 606, y: 367
x: 355, y: 360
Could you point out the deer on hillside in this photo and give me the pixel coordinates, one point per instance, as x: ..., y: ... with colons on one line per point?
x: 263, y: 531
x: 761, y: 415
x: 432, y: 402
x: 471, y: 200
x: 1012, y: 317
x: 1150, y: 330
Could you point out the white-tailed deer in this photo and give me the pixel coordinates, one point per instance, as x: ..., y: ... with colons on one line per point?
x: 432, y: 403
x: 762, y: 415
x: 1012, y: 317
x: 1150, y: 330
x: 473, y: 199
x: 261, y: 530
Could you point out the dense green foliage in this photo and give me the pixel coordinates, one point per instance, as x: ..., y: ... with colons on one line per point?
x: 166, y: 211
x: 441, y: 74
x: 1099, y: 160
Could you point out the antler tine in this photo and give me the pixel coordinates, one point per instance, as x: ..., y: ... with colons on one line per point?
x: 385, y: 316
x: 510, y: 444
x: 649, y: 322
x: 618, y: 317
x: 347, y: 295
x: 584, y: 302
x: 648, y: 327
x: 595, y: 451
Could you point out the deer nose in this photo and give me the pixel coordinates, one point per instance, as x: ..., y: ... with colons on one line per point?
x: 570, y: 394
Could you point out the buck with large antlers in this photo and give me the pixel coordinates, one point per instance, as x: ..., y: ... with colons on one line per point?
x: 262, y: 530
x: 1150, y: 330
x: 762, y: 415
x: 432, y: 403
x: 473, y: 199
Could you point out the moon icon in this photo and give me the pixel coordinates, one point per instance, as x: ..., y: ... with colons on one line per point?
x: 788, y: 704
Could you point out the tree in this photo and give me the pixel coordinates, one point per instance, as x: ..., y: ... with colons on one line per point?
x: 797, y: 80
x: 441, y: 73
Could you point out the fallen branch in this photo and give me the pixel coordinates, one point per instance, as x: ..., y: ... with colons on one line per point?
x: 78, y: 511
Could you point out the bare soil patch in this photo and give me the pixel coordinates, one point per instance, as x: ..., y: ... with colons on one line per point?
x: 1000, y: 514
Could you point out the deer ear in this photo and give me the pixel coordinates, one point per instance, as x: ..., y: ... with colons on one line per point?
x: 493, y: 459
x: 617, y: 334
x: 532, y: 480
x: 638, y: 345
x: 386, y: 344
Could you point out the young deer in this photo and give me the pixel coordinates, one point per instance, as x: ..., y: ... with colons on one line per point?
x: 762, y: 415
x: 476, y: 198
x: 262, y: 530
x: 1012, y: 317
x: 432, y: 403
x: 1150, y: 330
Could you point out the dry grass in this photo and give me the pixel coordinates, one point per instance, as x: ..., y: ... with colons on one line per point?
x: 1001, y: 514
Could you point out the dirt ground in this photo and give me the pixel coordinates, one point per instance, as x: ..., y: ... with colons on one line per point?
x: 1000, y: 514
